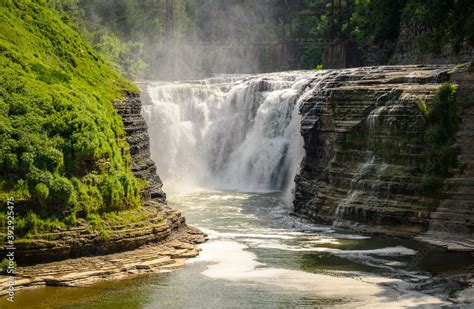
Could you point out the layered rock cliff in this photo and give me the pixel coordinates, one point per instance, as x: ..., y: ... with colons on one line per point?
x: 137, y: 137
x: 363, y: 133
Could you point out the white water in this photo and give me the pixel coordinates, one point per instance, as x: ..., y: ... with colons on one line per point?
x: 232, y: 133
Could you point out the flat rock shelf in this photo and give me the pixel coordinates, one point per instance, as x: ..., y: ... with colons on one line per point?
x: 152, y: 258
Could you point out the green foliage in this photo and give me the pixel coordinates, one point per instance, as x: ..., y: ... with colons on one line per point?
x: 423, y: 107
x: 125, y: 57
x: 60, y: 191
x: 319, y: 67
x: 103, y: 234
x: 70, y: 220
x: 41, y: 193
x: 376, y: 21
x: 31, y: 223
x: 442, y: 123
x: 120, y: 192
x: 95, y: 220
x: 443, y: 22
x: 118, y: 29
x: 311, y: 56
x: 5, y: 264
x: 440, y: 22
x: 60, y: 136
x: 49, y: 76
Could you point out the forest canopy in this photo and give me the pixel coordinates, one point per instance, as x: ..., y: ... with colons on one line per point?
x: 139, y: 37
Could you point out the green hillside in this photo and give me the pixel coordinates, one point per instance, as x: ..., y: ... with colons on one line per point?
x: 63, y: 153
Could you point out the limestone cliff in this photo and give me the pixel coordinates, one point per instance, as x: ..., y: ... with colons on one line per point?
x: 362, y: 130
x: 137, y: 137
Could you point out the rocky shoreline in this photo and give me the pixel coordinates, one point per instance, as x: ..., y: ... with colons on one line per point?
x: 152, y: 258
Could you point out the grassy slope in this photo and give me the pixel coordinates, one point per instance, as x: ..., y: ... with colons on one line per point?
x: 62, y: 146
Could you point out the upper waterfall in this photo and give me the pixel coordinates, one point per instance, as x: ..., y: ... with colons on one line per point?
x: 239, y: 133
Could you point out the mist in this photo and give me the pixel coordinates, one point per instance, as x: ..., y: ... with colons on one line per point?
x: 188, y: 39
x: 216, y: 44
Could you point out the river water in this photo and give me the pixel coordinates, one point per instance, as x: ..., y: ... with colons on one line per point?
x: 259, y: 256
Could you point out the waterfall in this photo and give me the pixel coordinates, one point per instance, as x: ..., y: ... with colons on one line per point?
x: 237, y: 133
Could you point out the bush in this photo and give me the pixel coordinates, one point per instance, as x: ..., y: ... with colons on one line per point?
x: 49, y: 76
x: 31, y: 224
x: 120, y: 191
x: 442, y: 122
x: 5, y: 264
x: 41, y: 193
x: 28, y: 224
x: 50, y: 159
x: 70, y: 220
x: 60, y: 191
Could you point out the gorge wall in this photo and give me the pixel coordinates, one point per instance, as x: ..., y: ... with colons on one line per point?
x: 362, y: 129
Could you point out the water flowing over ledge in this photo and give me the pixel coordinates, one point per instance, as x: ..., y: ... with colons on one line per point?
x: 238, y: 133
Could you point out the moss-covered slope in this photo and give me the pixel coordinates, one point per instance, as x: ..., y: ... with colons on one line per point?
x: 63, y: 152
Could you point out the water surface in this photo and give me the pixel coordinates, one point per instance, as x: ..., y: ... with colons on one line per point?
x: 259, y: 256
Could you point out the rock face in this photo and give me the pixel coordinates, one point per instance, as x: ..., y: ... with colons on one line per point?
x: 362, y: 130
x: 139, y: 141
x: 154, y: 223
x: 453, y: 221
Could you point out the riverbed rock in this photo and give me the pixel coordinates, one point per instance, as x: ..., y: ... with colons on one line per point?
x: 148, y: 259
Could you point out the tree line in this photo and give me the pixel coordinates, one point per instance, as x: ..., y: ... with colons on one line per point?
x: 124, y: 30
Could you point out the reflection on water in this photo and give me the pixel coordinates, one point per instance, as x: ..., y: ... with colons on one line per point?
x: 260, y: 256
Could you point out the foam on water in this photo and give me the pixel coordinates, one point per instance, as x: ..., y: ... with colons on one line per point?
x: 230, y: 260
x: 390, y: 251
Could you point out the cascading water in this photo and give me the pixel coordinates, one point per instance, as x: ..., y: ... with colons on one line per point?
x: 237, y: 133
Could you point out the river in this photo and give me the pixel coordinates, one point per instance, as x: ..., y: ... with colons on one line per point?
x: 259, y: 256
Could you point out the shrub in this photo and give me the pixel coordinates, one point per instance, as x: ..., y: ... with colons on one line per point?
x: 442, y: 121
x: 120, y: 191
x: 41, y: 193
x: 70, y: 220
x: 423, y: 107
x: 28, y: 224
x: 5, y: 264
x: 60, y: 191
x: 50, y: 159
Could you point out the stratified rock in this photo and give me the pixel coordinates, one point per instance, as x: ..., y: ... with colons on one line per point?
x: 152, y: 258
x: 139, y: 141
x: 363, y: 134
